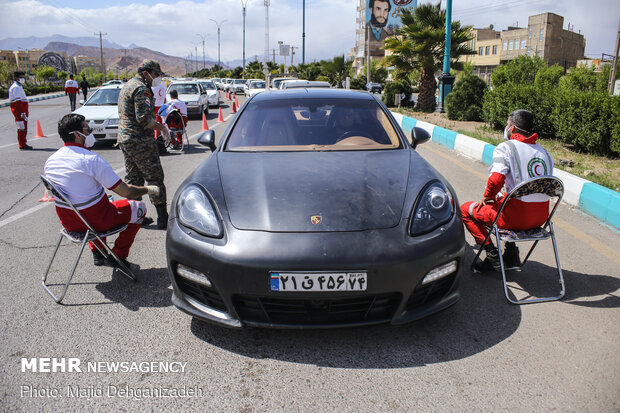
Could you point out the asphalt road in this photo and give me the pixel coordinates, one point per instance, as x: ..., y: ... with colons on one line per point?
x: 482, y: 354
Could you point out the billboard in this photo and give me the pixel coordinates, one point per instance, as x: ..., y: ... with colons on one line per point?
x: 382, y: 17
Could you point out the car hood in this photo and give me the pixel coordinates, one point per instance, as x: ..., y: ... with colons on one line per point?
x: 187, y: 98
x: 314, y: 191
x: 98, y: 112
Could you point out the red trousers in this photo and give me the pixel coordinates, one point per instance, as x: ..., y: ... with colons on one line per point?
x: 104, y: 215
x: 21, y: 135
x: 517, y: 215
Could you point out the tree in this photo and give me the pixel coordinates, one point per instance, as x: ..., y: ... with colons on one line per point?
x: 272, y: 67
x: 6, y: 73
x: 254, y: 70
x: 378, y: 73
x: 44, y: 72
x: 419, y: 43
x: 465, y: 101
x: 336, y: 70
x: 308, y: 71
x: 237, y: 72
x: 62, y: 75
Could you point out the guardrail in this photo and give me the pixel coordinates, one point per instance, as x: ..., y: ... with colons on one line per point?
x: 594, y: 199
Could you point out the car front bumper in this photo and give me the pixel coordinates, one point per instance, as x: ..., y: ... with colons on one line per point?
x: 238, y: 270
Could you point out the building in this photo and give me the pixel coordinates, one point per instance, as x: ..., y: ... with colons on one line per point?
x: 487, y: 43
x: 544, y: 36
x: 8, y: 56
x: 26, y: 60
x: 82, y: 62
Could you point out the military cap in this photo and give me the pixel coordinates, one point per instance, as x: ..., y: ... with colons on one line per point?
x: 149, y: 64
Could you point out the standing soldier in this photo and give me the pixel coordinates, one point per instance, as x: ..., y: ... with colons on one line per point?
x: 19, y: 107
x: 135, y: 137
x: 71, y: 89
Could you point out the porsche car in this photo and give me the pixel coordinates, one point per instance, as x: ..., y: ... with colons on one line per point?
x: 314, y: 211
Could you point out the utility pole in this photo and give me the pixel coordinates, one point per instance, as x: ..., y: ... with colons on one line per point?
x: 292, y: 53
x: 101, y: 53
x: 243, y: 5
x: 303, y: 33
x: 445, y: 79
x: 612, y: 75
x: 204, y: 63
x: 266, y: 2
x: 367, y: 52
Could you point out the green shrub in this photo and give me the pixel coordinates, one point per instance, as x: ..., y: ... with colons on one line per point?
x: 358, y: 83
x: 615, y: 125
x: 397, y: 86
x: 465, y: 101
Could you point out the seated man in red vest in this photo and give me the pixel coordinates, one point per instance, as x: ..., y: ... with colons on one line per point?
x: 174, y: 122
x: 515, y: 161
x: 83, y: 176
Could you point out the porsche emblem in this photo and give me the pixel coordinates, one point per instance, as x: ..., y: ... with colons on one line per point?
x: 315, y: 219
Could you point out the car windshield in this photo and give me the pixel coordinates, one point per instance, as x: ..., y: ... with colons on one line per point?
x: 257, y: 85
x: 312, y: 125
x: 208, y: 85
x: 104, y: 97
x: 184, y: 89
x: 240, y: 81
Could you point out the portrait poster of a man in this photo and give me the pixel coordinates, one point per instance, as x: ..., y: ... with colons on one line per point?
x: 382, y: 18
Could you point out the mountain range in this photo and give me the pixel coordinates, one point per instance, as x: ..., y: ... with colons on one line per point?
x: 117, y: 57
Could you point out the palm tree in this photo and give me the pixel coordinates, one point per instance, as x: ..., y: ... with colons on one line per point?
x: 419, y: 44
x: 336, y: 70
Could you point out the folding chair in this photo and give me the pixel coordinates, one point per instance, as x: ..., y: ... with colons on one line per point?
x: 83, y: 238
x: 547, y: 185
x: 175, y: 123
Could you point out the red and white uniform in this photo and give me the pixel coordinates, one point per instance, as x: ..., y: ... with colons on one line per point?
x: 159, y: 94
x: 514, y: 161
x: 175, y: 104
x: 82, y: 176
x: 19, y: 107
x: 71, y: 87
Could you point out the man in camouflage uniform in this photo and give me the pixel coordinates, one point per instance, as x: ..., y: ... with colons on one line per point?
x: 135, y: 137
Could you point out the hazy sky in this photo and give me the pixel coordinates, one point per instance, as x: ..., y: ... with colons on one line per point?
x: 172, y: 27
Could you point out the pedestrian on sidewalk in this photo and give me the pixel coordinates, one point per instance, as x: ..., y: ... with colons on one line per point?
x: 71, y: 89
x: 19, y: 107
x: 84, y: 85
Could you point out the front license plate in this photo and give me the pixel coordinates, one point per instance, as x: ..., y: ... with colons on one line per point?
x: 342, y: 281
x: 98, y: 129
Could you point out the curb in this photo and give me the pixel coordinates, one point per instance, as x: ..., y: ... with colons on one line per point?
x: 594, y: 199
x: 35, y: 99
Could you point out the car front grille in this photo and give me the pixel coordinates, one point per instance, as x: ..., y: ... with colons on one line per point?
x: 430, y: 292
x: 98, y: 121
x: 351, y: 310
x: 208, y: 296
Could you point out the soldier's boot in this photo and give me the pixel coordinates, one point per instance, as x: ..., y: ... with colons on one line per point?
x: 162, y: 216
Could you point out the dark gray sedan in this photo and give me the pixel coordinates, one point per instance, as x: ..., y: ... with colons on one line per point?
x: 314, y: 211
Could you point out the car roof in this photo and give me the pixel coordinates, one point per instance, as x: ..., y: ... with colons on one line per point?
x: 319, y: 93
x: 303, y: 83
x: 112, y: 86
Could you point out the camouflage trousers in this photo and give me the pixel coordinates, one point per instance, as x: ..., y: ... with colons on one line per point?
x: 142, y: 164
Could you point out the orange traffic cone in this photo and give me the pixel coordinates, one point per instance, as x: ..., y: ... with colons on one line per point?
x: 46, y: 197
x: 236, y: 101
x: 39, y: 131
x: 234, y: 108
x: 205, y: 125
x: 220, y: 118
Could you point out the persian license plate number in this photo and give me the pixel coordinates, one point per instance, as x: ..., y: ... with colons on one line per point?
x: 98, y: 129
x: 345, y: 281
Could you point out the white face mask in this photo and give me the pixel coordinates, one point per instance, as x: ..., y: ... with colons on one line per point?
x: 506, y: 137
x: 155, y: 81
x: 89, y: 140
x: 21, y: 80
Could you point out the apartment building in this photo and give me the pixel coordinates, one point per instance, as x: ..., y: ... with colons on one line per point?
x: 487, y: 44
x: 82, y: 62
x: 27, y: 60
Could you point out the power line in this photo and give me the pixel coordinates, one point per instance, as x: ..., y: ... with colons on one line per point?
x: 71, y: 17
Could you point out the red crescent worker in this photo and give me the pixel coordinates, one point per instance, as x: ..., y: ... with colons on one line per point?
x: 19, y: 107
x: 159, y: 94
x: 516, y: 160
x: 72, y: 89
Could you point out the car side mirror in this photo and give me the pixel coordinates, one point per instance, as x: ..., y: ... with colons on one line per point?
x: 207, y: 138
x: 418, y: 136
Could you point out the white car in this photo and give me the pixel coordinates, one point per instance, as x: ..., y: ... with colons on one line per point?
x: 101, y: 112
x: 114, y: 82
x: 256, y: 86
x: 304, y: 84
x: 193, y: 95
x: 212, y: 92
x: 275, y: 82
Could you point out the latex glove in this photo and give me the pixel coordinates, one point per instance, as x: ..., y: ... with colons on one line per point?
x: 166, y: 134
x: 152, y: 189
x: 20, y: 125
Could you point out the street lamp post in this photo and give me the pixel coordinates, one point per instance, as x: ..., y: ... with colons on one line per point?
x: 244, y: 4
x: 303, y: 33
x: 204, y: 63
x: 219, y: 25
x: 446, y: 80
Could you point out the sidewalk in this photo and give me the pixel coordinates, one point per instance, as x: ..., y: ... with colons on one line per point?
x: 35, y: 98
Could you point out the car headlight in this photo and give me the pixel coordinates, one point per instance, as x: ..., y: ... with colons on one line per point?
x: 112, y: 122
x: 196, y: 211
x: 433, y: 208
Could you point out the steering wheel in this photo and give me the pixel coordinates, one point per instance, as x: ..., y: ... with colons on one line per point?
x: 351, y: 133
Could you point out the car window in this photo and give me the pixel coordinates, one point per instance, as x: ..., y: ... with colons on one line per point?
x: 257, y: 85
x: 312, y: 124
x: 208, y: 85
x: 184, y: 89
x: 104, y: 97
x: 240, y: 81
